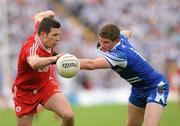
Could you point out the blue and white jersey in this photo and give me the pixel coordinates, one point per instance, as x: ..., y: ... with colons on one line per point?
x: 131, y: 66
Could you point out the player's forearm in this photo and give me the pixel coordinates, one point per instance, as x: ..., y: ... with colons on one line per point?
x: 91, y: 64
x: 40, y: 62
x: 86, y: 64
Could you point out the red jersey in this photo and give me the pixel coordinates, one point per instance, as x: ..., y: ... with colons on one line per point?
x: 28, y: 78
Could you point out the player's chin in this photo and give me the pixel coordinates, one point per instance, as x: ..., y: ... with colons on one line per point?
x: 54, y: 45
x: 104, y: 50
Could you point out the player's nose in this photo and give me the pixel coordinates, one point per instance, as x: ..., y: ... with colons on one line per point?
x: 57, y: 38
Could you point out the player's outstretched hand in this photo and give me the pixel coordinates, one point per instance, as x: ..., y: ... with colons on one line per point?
x: 56, y: 56
x: 59, y: 55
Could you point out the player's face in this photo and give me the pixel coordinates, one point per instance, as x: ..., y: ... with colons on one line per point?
x: 106, y: 44
x: 53, y: 37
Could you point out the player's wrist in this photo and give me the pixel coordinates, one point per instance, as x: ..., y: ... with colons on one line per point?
x: 53, y: 59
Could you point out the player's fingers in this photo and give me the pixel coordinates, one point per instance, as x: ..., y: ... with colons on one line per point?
x: 61, y: 54
x: 58, y: 55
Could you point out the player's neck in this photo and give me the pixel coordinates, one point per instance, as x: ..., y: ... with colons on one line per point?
x: 116, y: 44
x: 42, y: 44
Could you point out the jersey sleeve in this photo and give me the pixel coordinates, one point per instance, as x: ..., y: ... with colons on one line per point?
x: 117, y: 58
x: 29, y: 51
x: 37, y: 25
x: 123, y: 36
x: 25, y: 53
x: 124, y: 40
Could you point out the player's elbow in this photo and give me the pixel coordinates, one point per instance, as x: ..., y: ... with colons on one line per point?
x: 90, y: 67
x: 39, y: 16
x: 33, y: 64
x: 127, y: 33
x: 87, y: 67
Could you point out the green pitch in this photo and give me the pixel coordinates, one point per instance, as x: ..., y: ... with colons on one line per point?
x: 113, y: 115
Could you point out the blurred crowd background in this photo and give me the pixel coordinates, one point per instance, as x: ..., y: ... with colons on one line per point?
x: 155, y: 26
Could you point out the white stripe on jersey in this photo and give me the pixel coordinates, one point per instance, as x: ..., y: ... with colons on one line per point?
x: 134, y: 81
x: 160, y: 96
x: 124, y: 35
x: 33, y: 49
x: 122, y: 63
x: 133, y: 78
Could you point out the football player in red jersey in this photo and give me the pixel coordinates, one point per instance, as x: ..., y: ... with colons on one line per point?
x: 34, y: 84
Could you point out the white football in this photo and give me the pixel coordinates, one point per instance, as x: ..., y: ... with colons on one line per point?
x: 68, y: 66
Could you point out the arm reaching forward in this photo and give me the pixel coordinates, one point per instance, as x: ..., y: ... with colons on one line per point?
x: 37, y: 62
x: 91, y: 64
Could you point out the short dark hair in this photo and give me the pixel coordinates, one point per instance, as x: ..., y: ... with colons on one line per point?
x: 46, y: 24
x: 110, y: 31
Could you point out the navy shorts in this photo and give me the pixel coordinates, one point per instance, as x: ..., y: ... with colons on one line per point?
x: 158, y: 94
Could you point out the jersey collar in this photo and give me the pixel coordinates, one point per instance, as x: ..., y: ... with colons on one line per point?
x: 119, y: 43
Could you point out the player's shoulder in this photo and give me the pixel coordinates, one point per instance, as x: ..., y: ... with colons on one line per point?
x: 29, y: 41
x: 123, y: 36
x: 118, y: 51
x: 117, y: 55
x: 119, y: 47
x: 28, y: 44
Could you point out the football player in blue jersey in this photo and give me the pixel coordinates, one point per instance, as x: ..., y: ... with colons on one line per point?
x: 149, y: 88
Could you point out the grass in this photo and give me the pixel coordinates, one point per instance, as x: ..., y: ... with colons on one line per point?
x: 113, y: 115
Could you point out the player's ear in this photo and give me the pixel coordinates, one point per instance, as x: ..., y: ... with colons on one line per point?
x: 98, y: 46
x: 117, y: 40
x: 43, y: 34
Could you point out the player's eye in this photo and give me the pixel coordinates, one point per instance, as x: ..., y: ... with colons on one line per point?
x: 55, y: 35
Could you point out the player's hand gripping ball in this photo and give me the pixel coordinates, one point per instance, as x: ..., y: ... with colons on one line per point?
x: 68, y: 66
